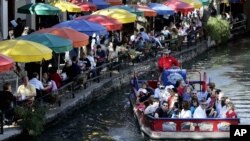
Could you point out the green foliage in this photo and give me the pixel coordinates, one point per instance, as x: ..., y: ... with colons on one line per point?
x: 218, y: 29
x: 32, y: 119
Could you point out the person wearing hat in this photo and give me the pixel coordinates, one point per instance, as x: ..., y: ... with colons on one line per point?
x: 167, y: 61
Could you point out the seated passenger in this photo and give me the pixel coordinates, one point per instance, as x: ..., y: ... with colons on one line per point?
x: 223, y: 110
x: 211, y: 112
x: 185, y: 112
x: 194, y: 104
x: 187, y: 94
x: 200, y: 112
x: 230, y: 111
x: 142, y: 96
x: 175, y: 111
x: 150, y: 110
x: 162, y: 112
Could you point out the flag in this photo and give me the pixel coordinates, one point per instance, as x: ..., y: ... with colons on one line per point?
x: 135, y: 83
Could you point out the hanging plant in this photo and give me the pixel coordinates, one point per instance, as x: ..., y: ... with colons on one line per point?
x: 218, y: 29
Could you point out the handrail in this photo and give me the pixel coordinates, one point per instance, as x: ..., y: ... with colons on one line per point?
x: 1, y: 122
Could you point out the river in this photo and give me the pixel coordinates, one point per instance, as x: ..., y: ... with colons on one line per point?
x: 112, y: 118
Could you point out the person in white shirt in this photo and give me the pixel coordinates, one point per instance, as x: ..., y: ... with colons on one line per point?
x: 200, y: 112
x: 37, y: 83
x: 152, y: 107
x: 185, y: 112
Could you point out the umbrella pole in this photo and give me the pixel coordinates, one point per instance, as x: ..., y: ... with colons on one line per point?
x: 153, y: 25
x: 58, y: 66
x: 16, y: 82
x: 41, y: 70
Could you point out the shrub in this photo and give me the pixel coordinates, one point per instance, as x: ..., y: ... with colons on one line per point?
x: 32, y: 119
x: 218, y: 29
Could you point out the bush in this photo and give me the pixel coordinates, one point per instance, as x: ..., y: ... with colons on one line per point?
x: 218, y: 29
x: 32, y: 119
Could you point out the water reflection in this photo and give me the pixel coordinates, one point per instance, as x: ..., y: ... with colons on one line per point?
x: 106, y: 120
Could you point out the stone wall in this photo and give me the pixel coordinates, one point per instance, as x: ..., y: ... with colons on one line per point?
x: 247, y: 12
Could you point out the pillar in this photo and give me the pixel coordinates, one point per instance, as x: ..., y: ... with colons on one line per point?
x: 4, y: 18
x: 31, y: 19
x: 247, y: 13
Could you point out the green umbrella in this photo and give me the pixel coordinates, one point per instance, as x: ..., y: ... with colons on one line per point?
x: 55, y: 43
x: 38, y: 9
x: 129, y: 8
x: 204, y: 2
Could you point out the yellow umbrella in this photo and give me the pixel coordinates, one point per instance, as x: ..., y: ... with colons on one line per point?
x: 66, y: 6
x: 25, y: 51
x: 194, y: 3
x: 120, y: 15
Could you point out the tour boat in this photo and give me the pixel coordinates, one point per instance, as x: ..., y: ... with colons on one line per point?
x: 177, y: 128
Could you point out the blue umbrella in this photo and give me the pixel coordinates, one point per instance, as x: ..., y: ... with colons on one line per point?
x: 161, y: 9
x: 100, y: 4
x: 84, y: 26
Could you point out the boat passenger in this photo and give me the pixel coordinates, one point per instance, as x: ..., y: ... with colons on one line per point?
x: 211, y: 112
x: 158, y: 90
x: 171, y: 99
x: 194, y: 104
x: 167, y: 61
x: 162, y: 112
x: 143, y: 96
x: 150, y: 110
x: 175, y: 110
x: 187, y: 94
x: 200, y: 112
x: 230, y: 111
x: 185, y: 112
x: 223, y: 110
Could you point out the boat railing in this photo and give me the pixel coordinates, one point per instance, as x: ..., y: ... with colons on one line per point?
x: 190, y: 124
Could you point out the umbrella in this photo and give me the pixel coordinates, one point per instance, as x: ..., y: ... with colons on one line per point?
x: 114, y: 2
x: 178, y: 5
x: 56, y: 43
x: 25, y: 51
x: 86, y: 6
x: 129, y: 8
x: 194, y: 3
x: 110, y: 23
x: 120, y: 15
x: 6, y: 63
x: 161, y: 9
x: 38, y: 9
x: 100, y: 4
x: 204, y: 2
x: 67, y: 6
x: 78, y: 39
x: 84, y: 26
x: 148, y: 12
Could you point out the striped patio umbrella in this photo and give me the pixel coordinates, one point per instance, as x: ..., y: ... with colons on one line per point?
x: 110, y: 23
x: 114, y: 2
x: 120, y: 15
x: 85, y: 5
x: 79, y: 39
x: 148, y: 12
x: 38, y: 9
x: 66, y: 6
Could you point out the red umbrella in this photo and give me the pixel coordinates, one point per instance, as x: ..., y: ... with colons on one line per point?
x: 6, y: 63
x: 178, y: 5
x: 148, y: 12
x: 110, y: 23
x: 114, y: 2
x: 79, y: 39
x: 85, y: 6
